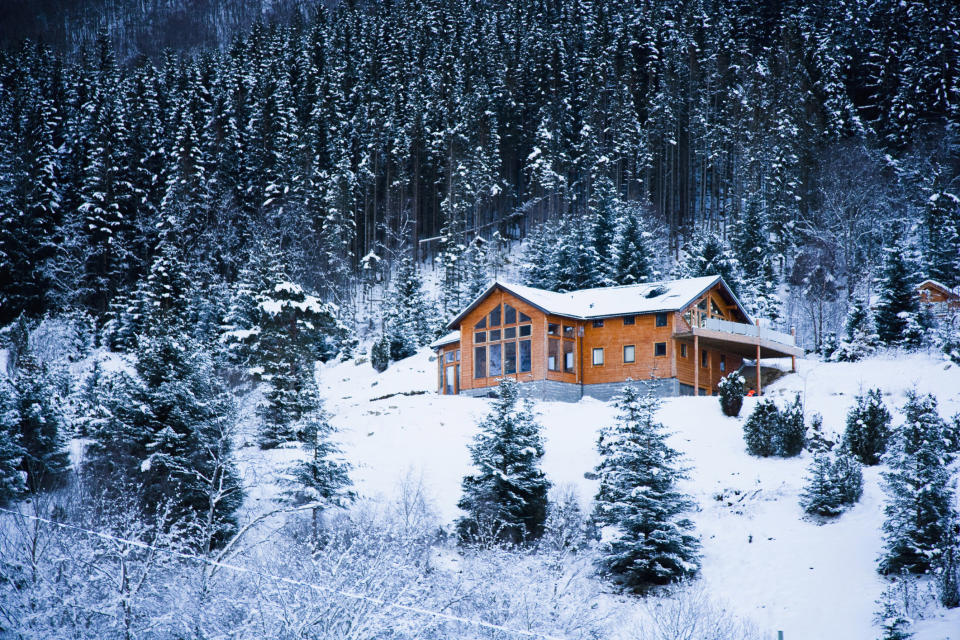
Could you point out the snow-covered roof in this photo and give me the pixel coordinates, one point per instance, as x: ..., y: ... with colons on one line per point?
x: 937, y: 285
x: 450, y: 338
x: 649, y: 297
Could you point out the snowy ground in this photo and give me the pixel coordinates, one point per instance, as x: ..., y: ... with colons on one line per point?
x: 761, y: 556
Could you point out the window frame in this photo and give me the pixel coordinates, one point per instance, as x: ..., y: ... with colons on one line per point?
x: 596, y: 351
x: 658, y: 347
x: 629, y: 320
x: 660, y: 319
x: 704, y: 359
x: 633, y: 353
x: 598, y: 323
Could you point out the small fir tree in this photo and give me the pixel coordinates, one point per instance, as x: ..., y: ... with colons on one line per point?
x: 477, y: 270
x: 12, y: 484
x: 818, y: 442
x: 507, y: 496
x: 408, y: 320
x: 732, y: 390
x: 868, y: 428
x: 380, y: 353
x: 848, y: 477
x: 947, y: 565
x: 918, y: 490
x: 820, y: 495
x: 791, y: 434
x: 647, y: 539
x: 898, y: 298
x: 760, y: 429
x: 860, y: 335
x: 321, y: 479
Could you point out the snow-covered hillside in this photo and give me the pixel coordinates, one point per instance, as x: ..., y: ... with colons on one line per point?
x: 761, y: 555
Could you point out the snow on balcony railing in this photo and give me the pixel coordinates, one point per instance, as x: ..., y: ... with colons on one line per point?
x: 743, y: 329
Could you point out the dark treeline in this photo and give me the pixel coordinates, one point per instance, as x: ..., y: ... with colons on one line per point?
x: 373, y: 127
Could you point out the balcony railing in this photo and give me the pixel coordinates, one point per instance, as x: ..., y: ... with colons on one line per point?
x: 753, y: 331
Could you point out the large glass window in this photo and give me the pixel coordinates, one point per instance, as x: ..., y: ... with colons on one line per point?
x: 597, y: 357
x: 495, y: 317
x: 568, y: 357
x: 480, y: 362
x: 495, y: 362
x: 509, y: 357
x: 553, y: 355
x: 629, y: 354
x: 525, y: 357
x: 509, y: 314
x: 480, y: 336
x: 494, y: 335
x: 509, y: 333
x: 450, y: 355
x: 482, y: 324
x: 525, y: 330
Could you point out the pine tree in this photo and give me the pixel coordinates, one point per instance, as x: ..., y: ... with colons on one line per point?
x: 632, y: 256
x: 539, y: 265
x: 476, y: 276
x: 791, y: 434
x: 649, y: 541
x: 918, y: 490
x: 760, y: 429
x: 868, y: 428
x: 320, y: 479
x: 507, y: 497
x: 707, y: 255
x: 820, y: 495
x: 947, y: 564
x: 860, y: 334
x: 12, y: 484
x: 848, y: 476
x: 898, y: 297
x: 168, y: 438
x: 37, y: 425
x: 408, y: 321
x: 380, y: 354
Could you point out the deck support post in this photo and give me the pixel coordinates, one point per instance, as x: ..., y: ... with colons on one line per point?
x: 759, y: 388
x: 696, y: 365
x: 793, y: 359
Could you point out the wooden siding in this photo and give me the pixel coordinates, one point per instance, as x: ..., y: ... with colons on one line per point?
x: 614, y: 335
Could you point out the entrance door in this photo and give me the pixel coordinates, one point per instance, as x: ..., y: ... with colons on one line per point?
x: 450, y: 382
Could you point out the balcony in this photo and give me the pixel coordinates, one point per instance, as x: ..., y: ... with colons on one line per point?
x: 744, y: 339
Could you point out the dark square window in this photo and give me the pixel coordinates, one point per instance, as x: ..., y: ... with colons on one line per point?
x: 661, y: 319
x: 553, y: 329
x: 597, y: 323
x: 525, y: 330
x: 494, y: 335
x: 660, y: 349
x: 480, y: 336
x: 510, y: 332
x: 567, y: 331
x: 627, y: 320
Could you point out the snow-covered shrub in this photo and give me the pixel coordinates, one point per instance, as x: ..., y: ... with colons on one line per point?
x: 860, y: 335
x: 731, y: 389
x: 380, y: 354
x: 791, y: 432
x: 689, y: 613
x: 566, y: 527
x: 834, y: 482
x: 947, y: 567
x: 818, y: 441
x: 868, y: 428
x: 828, y: 345
x: 760, y: 429
x: 948, y: 339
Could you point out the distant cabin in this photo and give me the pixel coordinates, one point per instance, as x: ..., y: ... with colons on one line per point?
x: 680, y: 335
x: 942, y: 301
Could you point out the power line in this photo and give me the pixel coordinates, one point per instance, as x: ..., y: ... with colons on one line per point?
x: 300, y: 583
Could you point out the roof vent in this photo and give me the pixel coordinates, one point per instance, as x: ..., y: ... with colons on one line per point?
x: 659, y: 290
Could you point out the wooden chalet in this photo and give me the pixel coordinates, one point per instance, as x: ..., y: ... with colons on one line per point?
x: 942, y: 301
x: 680, y: 335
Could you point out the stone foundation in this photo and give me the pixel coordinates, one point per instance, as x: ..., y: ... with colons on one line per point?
x: 553, y: 391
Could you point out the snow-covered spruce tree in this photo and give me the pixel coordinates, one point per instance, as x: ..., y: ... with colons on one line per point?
x: 817, y: 442
x: 12, y: 484
x: 538, y: 266
x: 380, y: 353
x: 633, y: 256
x: 828, y: 345
x: 868, y: 428
x: 760, y: 429
x: 791, y: 434
x: 321, y: 479
x: 476, y: 270
x: 450, y: 264
x: 918, y: 490
x: 897, y: 295
x: 168, y: 438
x: 408, y: 320
x: 820, y: 495
x: 860, y: 334
x: 506, y: 499
x: 731, y: 389
x: 947, y: 566
x: 707, y: 255
x: 576, y: 264
x: 948, y: 339
x: 646, y: 538
x: 33, y: 417
x: 833, y: 483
